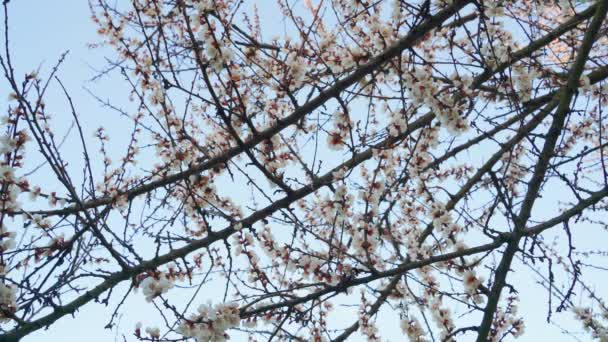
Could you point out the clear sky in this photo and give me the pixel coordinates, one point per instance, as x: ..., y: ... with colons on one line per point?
x: 40, y: 32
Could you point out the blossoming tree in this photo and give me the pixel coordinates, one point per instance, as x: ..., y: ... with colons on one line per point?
x: 410, y: 160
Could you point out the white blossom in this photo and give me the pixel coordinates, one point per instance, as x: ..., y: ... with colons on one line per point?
x: 7, y: 300
x: 211, y: 322
x: 153, y: 287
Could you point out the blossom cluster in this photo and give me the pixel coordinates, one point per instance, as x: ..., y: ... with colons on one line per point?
x: 424, y: 90
x: 8, y: 239
x: 412, y: 328
x: 211, y: 322
x: 471, y: 285
x: 155, y: 285
x: 152, y: 332
x: 337, y: 137
x: 7, y: 300
x: 217, y: 51
x: 11, y: 149
x: 591, y: 323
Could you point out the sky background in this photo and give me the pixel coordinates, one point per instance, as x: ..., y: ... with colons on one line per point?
x: 40, y: 32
